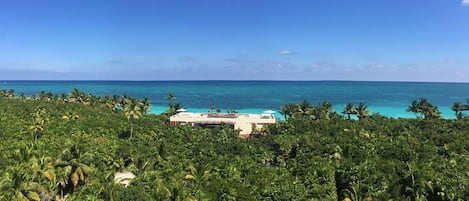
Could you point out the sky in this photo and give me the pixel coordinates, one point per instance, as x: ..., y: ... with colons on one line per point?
x: 377, y: 40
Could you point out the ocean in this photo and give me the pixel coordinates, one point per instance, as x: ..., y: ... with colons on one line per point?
x: 386, y: 98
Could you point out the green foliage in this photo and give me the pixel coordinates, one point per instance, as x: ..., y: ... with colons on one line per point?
x: 133, y: 193
x: 305, y: 110
x: 172, y: 107
x: 422, y: 107
x: 314, y: 155
x: 458, y: 109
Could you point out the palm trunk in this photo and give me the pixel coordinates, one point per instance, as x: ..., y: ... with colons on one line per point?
x: 62, y: 194
x: 131, y: 129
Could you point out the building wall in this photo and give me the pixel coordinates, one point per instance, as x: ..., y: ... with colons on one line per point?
x: 245, y: 122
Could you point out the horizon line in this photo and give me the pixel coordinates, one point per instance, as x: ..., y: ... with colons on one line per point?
x: 234, y: 80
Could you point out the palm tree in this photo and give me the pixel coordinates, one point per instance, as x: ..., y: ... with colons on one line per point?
x: 132, y: 111
x: 115, y: 99
x: 171, y: 97
x: 431, y: 111
x: 40, y: 119
x: 62, y: 98
x: 11, y: 94
x: 288, y: 110
x: 86, y: 99
x: 70, y: 174
x: 124, y: 100
x: 16, y: 186
x: 70, y: 116
x: 173, y: 108
x: 465, y: 107
x: 42, y: 95
x: 325, y: 109
x: 422, y: 107
x: 107, y: 102
x: 22, y: 96
x: 146, y: 104
x: 3, y: 93
x: 36, y: 128
x: 303, y: 108
x: 7, y: 94
x: 210, y: 109
x: 75, y: 96
x: 457, y: 108
x: 361, y: 111
x: 414, y: 107
x: 348, y: 110
x: 92, y: 99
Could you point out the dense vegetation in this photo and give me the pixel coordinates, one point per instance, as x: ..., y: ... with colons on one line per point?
x: 70, y: 146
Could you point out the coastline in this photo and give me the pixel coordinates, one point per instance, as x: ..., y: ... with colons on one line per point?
x: 388, y: 98
x: 390, y: 112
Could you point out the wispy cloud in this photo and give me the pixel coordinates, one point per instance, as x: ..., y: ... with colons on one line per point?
x: 465, y: 2
x: 288, y: 52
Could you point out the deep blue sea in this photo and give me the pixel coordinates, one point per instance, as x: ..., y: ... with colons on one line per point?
x: 387, y: 98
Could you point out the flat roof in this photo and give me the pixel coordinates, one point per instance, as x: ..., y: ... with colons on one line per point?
x: 223, y: 117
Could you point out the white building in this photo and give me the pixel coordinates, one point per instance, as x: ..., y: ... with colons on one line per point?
x: 244, y: 122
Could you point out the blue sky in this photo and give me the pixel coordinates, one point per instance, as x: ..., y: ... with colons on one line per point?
x: 392, y: 40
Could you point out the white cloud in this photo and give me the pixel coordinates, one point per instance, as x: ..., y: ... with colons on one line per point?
x: 465, y: 2
x: 288, y: 52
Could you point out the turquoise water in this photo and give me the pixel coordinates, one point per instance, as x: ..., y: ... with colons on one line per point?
x: 387, y: 98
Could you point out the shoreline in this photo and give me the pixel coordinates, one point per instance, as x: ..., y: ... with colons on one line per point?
x: 389, y: 99
x: 390, y: 112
